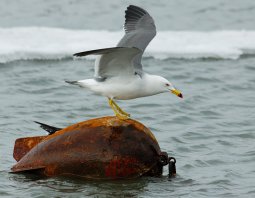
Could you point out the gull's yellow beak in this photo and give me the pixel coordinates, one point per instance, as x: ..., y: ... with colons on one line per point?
x: 177, y: 92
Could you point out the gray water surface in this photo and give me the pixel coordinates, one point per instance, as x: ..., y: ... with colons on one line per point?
x: 210, y: 132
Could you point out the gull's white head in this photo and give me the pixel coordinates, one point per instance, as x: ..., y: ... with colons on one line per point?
x: 163, y: 85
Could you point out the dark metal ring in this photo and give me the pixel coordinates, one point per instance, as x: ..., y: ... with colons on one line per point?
x: 172, y: 158
x: 163, y: 158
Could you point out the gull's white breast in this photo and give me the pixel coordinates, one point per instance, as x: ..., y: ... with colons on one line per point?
x: 123, y: 87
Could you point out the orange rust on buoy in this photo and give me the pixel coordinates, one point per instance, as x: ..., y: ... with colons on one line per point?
x: 101, y: 148
x: 23, y: 145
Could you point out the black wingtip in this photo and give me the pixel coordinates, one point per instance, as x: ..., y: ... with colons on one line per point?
x: 132, y: 15
x: 71, y: 82
x: 50, y: 129
x: 96, y: 51
x: 79, y: 54
x: 136, y: 9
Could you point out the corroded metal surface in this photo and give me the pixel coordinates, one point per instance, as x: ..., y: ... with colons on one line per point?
x: 101, y: 148
x: 24, y: 145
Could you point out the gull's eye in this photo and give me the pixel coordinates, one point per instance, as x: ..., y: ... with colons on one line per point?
x: 167, y: 85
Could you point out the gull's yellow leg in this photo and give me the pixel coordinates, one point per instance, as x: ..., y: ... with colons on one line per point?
x: 112, y: 104
x: 119, y: 109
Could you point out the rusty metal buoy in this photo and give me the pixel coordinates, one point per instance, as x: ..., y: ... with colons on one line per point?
x: 101, y: 148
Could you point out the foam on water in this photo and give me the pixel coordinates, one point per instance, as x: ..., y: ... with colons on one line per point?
x: 28, y: 43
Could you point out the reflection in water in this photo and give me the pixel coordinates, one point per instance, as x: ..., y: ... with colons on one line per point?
x: 75, y: 186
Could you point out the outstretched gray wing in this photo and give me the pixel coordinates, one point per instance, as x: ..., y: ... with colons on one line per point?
x: 114, y: 61
x: 140, y: 30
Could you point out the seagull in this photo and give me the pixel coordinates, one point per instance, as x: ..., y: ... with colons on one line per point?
x: 119, y: 73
